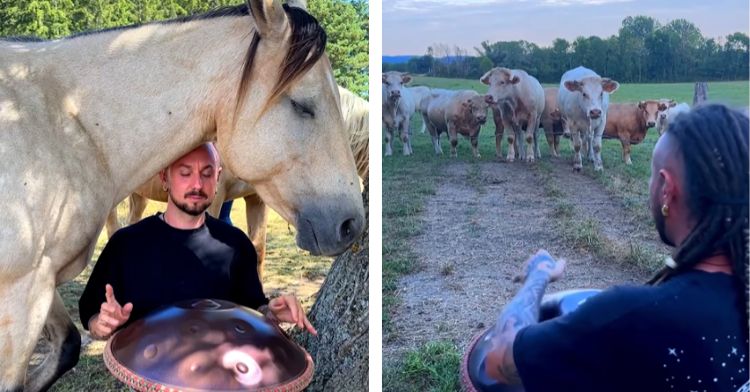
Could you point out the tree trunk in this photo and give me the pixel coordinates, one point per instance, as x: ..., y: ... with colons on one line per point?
x: 701, y: 93
x: 340, y: 314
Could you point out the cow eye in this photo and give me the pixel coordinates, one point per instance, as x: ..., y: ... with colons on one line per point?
x: 387, y: 83
x: 302, y: 109
x: 585, y: 95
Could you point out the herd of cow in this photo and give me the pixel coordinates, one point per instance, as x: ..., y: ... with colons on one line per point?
x: 579, y: 109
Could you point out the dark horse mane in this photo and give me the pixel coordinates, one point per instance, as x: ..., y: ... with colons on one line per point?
x: 307, y: 45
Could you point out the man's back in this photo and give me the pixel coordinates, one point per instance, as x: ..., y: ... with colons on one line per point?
x: 686, y: 334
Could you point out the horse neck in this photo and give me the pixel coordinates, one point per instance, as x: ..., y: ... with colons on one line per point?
x: 147, y: 95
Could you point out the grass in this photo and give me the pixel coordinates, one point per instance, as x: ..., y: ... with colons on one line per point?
x: 407, y: 181
x: 432, y: 367
x: 288, y: 270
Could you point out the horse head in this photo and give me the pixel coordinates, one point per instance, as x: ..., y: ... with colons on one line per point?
x: 285, y: 133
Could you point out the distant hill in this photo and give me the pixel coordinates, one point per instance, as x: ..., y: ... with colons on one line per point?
x: 397, y: 59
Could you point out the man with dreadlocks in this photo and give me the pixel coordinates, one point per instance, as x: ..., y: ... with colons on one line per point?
x: 687, y: 330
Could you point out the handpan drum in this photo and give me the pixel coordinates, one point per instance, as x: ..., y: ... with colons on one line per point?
x: 473, y: 375
x: 207, y: 345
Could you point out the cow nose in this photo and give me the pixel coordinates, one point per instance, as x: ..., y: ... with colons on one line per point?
x: 650, y: 124
x: 395, y: 94
x: 595, y: 113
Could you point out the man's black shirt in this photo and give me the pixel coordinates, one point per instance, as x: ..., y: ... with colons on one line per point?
x: 152, y: 264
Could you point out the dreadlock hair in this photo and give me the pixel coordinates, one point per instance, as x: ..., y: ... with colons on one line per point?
x: 713, y: 143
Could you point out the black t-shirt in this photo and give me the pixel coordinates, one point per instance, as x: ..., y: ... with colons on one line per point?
x: 152, y: 264
x: 686, y: 334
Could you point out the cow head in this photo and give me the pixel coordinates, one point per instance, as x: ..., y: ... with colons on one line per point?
x: 393, y: 83
x: 476, y: 108
x: 650, y: 111
x: 592, y: 90
x: 664, y: 105
x: 501, y: 82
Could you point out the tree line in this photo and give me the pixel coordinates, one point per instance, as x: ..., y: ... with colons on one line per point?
x: 345, y: 21
x: 643, y: 51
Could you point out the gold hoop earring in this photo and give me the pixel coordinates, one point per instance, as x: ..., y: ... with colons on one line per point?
x: 665, y: 210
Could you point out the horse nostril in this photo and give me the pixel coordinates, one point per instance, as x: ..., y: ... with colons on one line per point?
x: 347, y: 230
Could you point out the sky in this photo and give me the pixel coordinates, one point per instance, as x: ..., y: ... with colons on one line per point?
x: 410, y: 26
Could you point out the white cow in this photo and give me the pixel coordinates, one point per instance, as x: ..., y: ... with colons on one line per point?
x: 665, y: 116
x: 398, y: 107
x: 519, y: 100
x: 583, y: 100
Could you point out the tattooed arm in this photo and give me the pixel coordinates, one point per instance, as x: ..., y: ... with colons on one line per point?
x: 522, y: 311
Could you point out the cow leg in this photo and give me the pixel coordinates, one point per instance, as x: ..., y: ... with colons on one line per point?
x: 388, y: 141
x: 597, y: 149
x: 65, y: 347
x: 499, y: 128
x: 576, y: 137
x: 475, y: 145
x: 138, y: 205
x: 257, y: 224
x: 551, y: 138
x: 405, y: 137
x: 25, y: 301
x: 435, y: 139
x: 453, y: 136
x: 626, y: 151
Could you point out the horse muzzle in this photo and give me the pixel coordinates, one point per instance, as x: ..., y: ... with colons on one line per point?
x: 329, y: 231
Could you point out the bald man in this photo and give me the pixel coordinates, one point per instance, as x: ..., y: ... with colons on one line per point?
x: 180, y: 254
x: 687, y: 330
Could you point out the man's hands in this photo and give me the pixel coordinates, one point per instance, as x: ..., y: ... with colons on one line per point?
x: 286, y: 308
x: 542, y: 261
x: 110, y: 317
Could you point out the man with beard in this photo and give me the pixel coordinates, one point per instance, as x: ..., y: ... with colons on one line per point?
x: 687, y: 330
x: 180, y: 254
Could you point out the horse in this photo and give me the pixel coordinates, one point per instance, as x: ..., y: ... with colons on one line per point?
x: 86, y: 119
x: 356, y: 114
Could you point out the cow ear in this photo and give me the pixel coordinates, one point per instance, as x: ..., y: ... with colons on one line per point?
x: 573, y: 85
x: 662, y: 107
x: 515, y: 79
x: 270, y: 18
x: 609, y: 85
x: 672, y: 104
x: 405, y: 78
x: 486, y: 77
x: 385, y: 78
x: 641, y: 104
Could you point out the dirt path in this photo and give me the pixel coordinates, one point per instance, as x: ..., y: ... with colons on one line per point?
x: 483, y: 222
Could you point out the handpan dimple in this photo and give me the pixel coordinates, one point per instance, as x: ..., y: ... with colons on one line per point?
x: 150, y: 351
x: 207, y: 345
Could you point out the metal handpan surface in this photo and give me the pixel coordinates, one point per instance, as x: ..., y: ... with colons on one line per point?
x: 207, y: 345
x: 473, y: 375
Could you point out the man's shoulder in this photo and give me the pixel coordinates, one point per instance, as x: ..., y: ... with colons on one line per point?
x: 223, y: 230
x: 143, y: 227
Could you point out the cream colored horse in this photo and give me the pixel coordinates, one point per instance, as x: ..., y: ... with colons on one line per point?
x: 356, y: 114
x: 85, y: 120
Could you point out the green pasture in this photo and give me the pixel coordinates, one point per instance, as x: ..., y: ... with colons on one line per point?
x: 287, y: 270
x: 408, y: 181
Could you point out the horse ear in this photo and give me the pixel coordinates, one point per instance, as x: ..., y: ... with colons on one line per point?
x: 298, y: 3
x: 270, y: 18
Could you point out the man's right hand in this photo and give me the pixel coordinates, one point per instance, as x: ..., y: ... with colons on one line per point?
x: 110, y: 317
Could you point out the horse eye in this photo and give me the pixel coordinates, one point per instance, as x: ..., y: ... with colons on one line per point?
x: 302, y: 109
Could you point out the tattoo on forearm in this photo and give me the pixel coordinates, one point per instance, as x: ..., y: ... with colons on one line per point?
x: 523, y: 310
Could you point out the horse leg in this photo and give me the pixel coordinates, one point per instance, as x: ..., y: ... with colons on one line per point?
x: 24, y: 306
x: 112, y: 224
x: 257, y: 222
x: 65, y: 342
x: 138, y: 205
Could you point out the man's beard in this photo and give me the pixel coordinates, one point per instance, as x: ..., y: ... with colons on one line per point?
x: 195, y: 208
